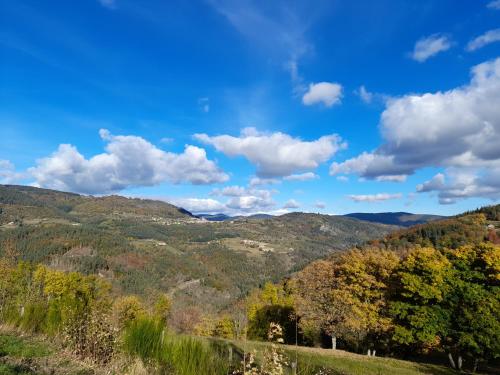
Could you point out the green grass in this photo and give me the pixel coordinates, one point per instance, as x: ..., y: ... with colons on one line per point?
x: 340, y: 362
x: 17, y: 347
x: 14, y: 370
x: 149, y: 340
x: 20, y: 354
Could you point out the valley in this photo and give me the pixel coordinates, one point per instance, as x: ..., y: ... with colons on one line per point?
x: 148, y: 247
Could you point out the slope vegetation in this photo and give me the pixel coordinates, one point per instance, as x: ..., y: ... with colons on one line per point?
x: 145, y: 246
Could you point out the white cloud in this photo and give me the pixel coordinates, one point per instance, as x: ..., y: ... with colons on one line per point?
x: 8, y: 174
x: 374, y: 197
x: 342, y: 178
x: 301, y: 177
x: 276, y: 154
x: 128, y: 161
x: 369, y: 165
x: 291, y: 203
x: 328, y: 93
x: 437, y: 182
x: 488, y: 37
x: 393, y: 178
x: 199, y: 205
x: 458, y: 130
x: 245, y: 200
x: 230, y: 191
x: 111, y: 4
x: 495, y: 4
x: 464, y: 184
x: 250, y: 203
x: 320, y: 205
x: 257, y: 181
x: 365, y: 95
x: 430, y: 46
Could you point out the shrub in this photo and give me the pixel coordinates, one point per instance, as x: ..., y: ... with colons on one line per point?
x: 128, y: 309
x: 144, y: 338
x: 148, y: 339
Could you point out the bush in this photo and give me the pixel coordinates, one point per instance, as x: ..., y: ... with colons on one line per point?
x: 148, y: 339
x: 144, y: 338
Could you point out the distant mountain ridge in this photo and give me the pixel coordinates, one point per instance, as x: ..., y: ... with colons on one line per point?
x: 224, y: 217
x: 404, y: 219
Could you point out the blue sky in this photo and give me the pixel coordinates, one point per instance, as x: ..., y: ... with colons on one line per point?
x: 244, y: 107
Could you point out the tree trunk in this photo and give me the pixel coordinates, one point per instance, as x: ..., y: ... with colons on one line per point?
x: 374, y: 352
x: 334, y: 342
x: 369, y: 353
x: 452, y: 362
x: 459, y: 364
x: 476, y: 362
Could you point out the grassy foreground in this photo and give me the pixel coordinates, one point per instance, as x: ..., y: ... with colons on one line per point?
x: 345, y: 363
x: 31, y: 355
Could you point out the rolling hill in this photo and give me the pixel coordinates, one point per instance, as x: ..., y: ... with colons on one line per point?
x: 144, y: 246
x: 404, y: 219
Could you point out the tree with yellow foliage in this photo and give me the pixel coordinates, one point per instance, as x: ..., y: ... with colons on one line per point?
x: 345, y: 296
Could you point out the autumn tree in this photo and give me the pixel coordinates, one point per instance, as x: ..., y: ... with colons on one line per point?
x: 474, y: 304
x: 420, y: 285
x: 271, y: 304
x: 344, y: 296
x: 449, y: 300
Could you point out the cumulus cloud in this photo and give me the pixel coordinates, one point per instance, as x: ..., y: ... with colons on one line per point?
x: 374, y: 197
x: 302, y: 177
x: 458, y: 130
x: 128, y: 161
x: 430, y: 46
x: 437, y: 182
x: 250, y: 203
x: 276, y: 154
x: 371, y: 166
x: 292, y: 204
x: 483, y: 40
x: 328, y: 93
x: 245, y: 199
x: 463, y: 184
x: 199, y: 205
x: 495, y: 4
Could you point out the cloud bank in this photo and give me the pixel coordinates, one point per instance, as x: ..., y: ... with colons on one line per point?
x: 276, y: 154
x: 458, y: 130
x: 128, y: 161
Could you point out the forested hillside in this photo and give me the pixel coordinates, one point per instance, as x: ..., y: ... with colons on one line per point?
x: 145, y: 247
x: 404, y: 219
x: 430, y: 291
